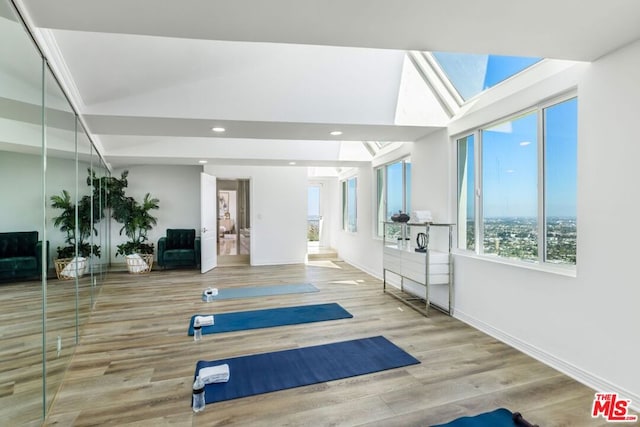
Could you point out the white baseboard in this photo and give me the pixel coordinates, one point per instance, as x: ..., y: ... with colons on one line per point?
x: 283, y: 262
x: 595, y: 382
x: 362, y: 267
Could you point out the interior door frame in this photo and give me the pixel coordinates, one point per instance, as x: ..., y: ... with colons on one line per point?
x: 208, y: 222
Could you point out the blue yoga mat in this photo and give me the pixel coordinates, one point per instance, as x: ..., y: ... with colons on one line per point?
x: 261, y: 291
x: 267, y: 372
x: 499, y: 418
x: 270, y: 317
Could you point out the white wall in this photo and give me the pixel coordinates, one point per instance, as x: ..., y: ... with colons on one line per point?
x: 429, y: 176
x: 584, y: 325
x: 278, y: 211
x: 177, y: 188
x: 21, y: 178
x: 360, y: 248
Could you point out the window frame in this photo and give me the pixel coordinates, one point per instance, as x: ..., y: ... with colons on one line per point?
x: 380, y: 197
x: 476, y: 132
x: 346, y: 206
x: 473, y: 197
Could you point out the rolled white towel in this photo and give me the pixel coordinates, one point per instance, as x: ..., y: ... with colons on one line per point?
x: 203, y: 320
x: 214, y: 374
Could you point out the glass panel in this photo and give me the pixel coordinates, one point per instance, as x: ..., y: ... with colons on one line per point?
x: 104, y: 229
x: 313, y: 213
x: 561, y: 145
x: 471, y: 74
x: 395, y: 190
x: 21, y: 178
x: 352, y: 204
x: 466, y: 193
x: 510, y: 188
x: 63, y: 233
x: 88, y: 238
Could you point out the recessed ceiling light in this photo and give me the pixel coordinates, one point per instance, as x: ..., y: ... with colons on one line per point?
x: 292, y: 163
x: 218, y: 129
x: 202, y: 161
x: 336, y: 133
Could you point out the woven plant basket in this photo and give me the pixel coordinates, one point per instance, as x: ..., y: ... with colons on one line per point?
x: 139, y: 263
x: 66, y: 270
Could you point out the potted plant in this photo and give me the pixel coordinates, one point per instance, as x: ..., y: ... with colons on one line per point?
x: 136, y: 220
x: 70, y: 264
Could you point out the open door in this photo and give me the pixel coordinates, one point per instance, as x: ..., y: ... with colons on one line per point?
x: 208, y: 225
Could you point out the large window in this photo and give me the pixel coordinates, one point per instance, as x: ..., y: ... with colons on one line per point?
x: 393, y: 190
x: 517, y: 196
x: 349, y: 204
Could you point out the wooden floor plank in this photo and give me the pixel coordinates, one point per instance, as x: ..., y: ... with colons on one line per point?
x: 134, y: 363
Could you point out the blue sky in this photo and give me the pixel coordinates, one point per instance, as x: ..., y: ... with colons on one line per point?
x: 510, y: 164
x: 470, y: 74
x: 509, y: 156
x: 394, y: 188
x: 313, y: 201
x: 561, y: 173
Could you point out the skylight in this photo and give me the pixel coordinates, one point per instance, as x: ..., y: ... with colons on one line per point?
x: 471, y: 74
x: 374, y: 147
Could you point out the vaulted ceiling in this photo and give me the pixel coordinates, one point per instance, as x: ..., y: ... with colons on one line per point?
x: 152, y: 77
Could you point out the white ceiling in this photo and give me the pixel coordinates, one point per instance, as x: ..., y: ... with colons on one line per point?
x: 285, y: 70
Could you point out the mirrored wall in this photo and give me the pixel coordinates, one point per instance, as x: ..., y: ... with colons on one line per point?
x: 54, y: 245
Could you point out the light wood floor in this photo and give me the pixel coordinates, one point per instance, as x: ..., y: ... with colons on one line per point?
x: 21, y: 343
x: 135, y: 363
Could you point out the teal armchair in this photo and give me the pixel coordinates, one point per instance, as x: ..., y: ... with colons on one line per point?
x: 179, y: 248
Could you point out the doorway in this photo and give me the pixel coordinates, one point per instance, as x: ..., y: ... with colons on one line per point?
x: 234, y: 222
x: 317, y: 240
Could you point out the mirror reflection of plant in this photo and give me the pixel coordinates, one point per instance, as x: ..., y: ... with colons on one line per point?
x: 108, y: 191
x: 137, y: 221
x: 66, y: 222
x: 135, y: 217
